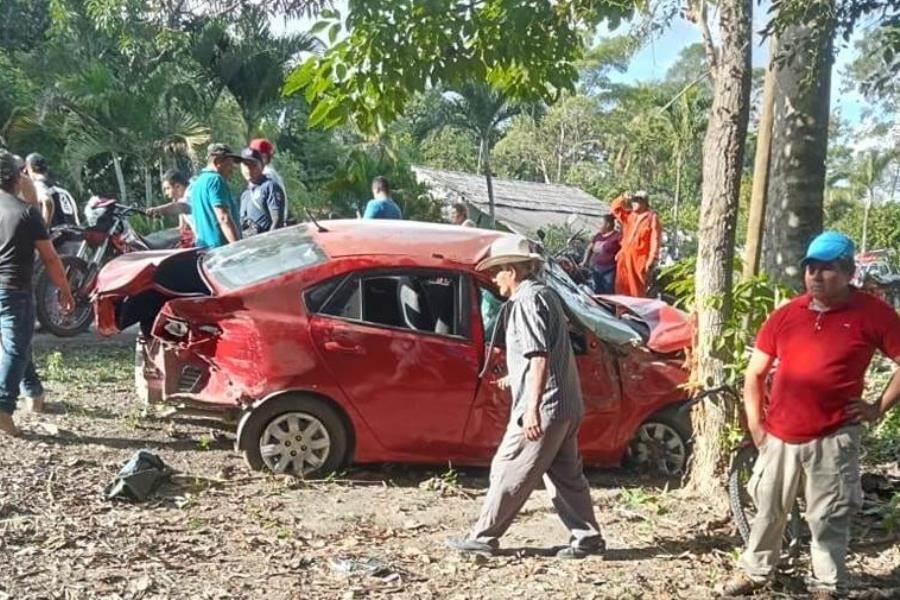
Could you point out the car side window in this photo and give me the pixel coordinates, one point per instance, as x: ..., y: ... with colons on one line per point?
x: 322, y: 293
x: 427, y: 302
x: 345, y: 302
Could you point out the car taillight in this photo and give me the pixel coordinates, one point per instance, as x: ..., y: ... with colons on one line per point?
x: 183, y: 333
x: 177, y: 329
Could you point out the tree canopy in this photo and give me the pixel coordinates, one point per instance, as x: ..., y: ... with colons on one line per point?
x: 393, y: 49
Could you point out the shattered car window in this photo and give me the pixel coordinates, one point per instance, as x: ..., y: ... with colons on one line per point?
x: 262, y: 257
x: 606, y: 326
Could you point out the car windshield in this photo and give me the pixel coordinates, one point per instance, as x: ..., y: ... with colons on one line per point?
x: 262, y: 257
x: 589, y: 313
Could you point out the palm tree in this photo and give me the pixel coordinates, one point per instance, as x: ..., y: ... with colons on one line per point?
x: 103, y: 114
x: 684, y: 121
x: 864, y: 178
x: 250, y: 63
x: 482, y: 110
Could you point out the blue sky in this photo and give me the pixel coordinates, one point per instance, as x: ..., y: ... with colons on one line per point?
x: 660, y: 53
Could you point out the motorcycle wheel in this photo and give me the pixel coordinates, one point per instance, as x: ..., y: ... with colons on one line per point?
x: 741, y: 503
x: 47, y: 305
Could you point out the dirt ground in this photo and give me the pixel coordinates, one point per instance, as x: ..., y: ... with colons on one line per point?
x: 218, y: 531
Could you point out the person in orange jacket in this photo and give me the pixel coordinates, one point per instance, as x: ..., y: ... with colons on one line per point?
x: 641, y: 240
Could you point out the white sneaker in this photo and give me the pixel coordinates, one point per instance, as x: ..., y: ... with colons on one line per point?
x: 34, y: 404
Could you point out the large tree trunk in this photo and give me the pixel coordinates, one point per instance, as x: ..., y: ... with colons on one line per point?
x: 799, y: 143
x: 723, y: 155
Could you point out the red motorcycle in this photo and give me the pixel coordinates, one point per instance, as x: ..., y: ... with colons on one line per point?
x: 84, y: 251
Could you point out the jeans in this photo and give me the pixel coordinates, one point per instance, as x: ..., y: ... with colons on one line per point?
x: 604, y: 279
x: 17, y: 372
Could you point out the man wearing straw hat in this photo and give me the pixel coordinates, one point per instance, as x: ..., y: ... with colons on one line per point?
x: 541, y: 440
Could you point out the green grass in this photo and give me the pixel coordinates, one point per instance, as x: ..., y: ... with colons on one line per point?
x: 73, y: 364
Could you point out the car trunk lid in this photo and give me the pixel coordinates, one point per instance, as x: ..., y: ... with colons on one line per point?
x: 134, y: 287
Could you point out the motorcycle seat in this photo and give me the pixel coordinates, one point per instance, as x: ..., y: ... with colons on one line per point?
x: 162, y: 240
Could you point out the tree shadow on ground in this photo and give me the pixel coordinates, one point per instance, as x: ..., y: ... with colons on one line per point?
x: 870, y: 587
x: 66, y: 438
x: 477, y: 478
x: 674, y: 548
x: 64, y: 407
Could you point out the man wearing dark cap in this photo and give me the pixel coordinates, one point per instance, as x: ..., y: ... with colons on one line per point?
x: 266, y: 150
x: 262, y: 203
x: 21, y: 232
x: 213, y: 208
x: 809, y: 434
x: 56, y: 204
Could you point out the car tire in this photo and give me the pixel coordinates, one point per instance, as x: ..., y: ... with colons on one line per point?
x: 662, y: 443
x: 294, y: 434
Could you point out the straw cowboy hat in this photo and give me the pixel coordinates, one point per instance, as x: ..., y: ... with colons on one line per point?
x: 506, y: 250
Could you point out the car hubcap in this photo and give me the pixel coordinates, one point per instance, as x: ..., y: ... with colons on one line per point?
x: 296, y: 443
x: 659, y: 446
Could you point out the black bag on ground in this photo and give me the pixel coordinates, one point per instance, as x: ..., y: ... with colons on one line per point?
x: 139, y: 478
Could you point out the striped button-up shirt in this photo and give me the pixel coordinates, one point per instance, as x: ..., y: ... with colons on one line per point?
x: 536, y: 325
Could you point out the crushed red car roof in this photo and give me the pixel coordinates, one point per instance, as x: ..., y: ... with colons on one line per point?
x: 351, y: 237
x: 671, y: 330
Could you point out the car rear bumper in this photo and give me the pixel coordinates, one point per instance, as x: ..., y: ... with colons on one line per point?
x: 168, y: 375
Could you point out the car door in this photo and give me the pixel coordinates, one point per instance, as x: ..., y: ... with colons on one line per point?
x: 600, y: 385
x: 398, y: 342
x: 490, y: 411
x: 597, y: 371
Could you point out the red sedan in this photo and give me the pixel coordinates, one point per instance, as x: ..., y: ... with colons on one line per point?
x: 366, y: 341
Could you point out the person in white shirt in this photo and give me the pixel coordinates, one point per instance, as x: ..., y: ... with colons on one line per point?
x: 175, y: 187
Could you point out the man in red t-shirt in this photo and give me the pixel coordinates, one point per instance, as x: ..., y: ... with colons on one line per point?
x: 810, y: 431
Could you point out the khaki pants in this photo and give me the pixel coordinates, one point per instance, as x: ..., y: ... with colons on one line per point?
x: 517, y: 468
x: 829, y: 466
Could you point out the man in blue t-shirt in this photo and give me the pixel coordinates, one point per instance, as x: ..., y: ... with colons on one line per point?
x: 382, y: 206
x: 212, y: 207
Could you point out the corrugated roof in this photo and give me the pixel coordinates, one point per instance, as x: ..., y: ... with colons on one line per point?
x: 523, y: 206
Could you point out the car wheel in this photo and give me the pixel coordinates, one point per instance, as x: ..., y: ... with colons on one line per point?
x: 661, y: 444
x: 293, y: 435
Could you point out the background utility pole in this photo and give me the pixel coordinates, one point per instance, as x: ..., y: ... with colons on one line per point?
x: 757, y: 216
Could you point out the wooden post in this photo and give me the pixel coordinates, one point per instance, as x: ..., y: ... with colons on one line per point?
x: 757, y: 216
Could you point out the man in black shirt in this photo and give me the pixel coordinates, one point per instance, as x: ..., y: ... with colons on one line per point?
x: 21, y: 232
x: 56, y: 204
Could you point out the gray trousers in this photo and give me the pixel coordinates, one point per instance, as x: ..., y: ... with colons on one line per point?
x: 830, y: 468
x: 517, y: 468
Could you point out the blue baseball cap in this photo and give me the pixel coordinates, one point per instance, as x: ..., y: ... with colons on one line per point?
x: 829, y: 246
